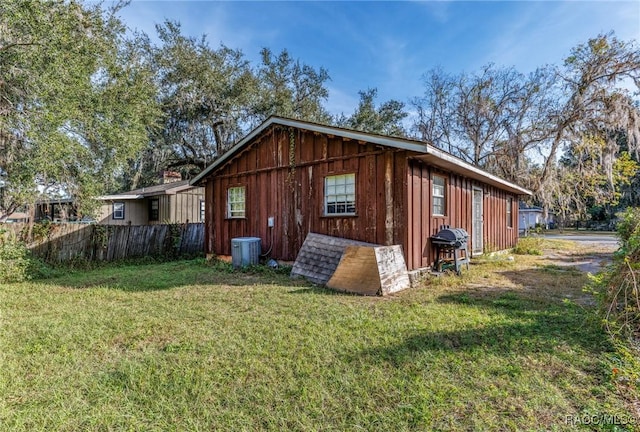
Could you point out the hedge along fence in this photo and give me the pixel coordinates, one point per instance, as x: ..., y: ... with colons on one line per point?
x: 66, y: 242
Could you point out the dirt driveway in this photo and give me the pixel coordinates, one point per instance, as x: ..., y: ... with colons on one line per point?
x: 593, y: 251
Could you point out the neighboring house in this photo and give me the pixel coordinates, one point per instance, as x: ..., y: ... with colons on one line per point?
x: 17, y: 217
x: 532, y: 217
x: 172, y: 202
x: 289, y: 177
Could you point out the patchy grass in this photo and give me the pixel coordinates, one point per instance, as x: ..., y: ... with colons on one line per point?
x: 193, y: 346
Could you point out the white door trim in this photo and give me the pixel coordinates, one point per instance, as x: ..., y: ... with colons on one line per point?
x: 477, y: 221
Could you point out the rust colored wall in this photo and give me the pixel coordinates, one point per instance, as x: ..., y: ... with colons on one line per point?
x: 393, y: 197
x: 422, y: 224
x: 293, y: 193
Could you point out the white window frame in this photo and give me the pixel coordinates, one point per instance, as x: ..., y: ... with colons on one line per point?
x: 340, y: 195
x: 202, y: 210
x: 509, y: 212
x: 117, y: 210
x: 438, y: 195
x: 236, y: 202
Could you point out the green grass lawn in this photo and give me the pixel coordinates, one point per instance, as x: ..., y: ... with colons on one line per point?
x: 193, y: 346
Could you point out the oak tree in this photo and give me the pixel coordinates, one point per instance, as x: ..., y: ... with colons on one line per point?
x: 76, y: 101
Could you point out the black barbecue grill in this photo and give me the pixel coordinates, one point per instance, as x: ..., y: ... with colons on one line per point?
x: 450, y: 245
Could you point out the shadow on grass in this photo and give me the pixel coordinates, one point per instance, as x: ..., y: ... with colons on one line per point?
x: 141, y: 277
x: 318, y: 290
x: 523, y: 326
x: 549, y: 278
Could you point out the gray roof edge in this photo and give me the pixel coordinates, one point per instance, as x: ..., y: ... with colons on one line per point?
x: 400, y: 143
x: 119, y: 197
x: 440, y: 154
x: 150, y: 191
x: 394, y: 142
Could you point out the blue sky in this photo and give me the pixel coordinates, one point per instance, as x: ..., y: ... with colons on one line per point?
x: 390, y: 45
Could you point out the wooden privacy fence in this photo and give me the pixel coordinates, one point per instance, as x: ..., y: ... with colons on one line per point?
x: 65, y: 242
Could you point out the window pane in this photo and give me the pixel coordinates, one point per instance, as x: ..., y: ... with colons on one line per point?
x: 339, y: 194
x: 118, y: 210
x: 154, y: 209
x: 438, y: 205
x: 236, y: 202
x: 351, y: 188
x: 438, y: 191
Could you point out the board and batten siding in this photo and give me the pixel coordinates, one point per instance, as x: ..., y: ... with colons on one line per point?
x: 292, y: 191
x: 181, y: 207
x: 422, y: 224
x: 497, y: 235
x: 393, y: 197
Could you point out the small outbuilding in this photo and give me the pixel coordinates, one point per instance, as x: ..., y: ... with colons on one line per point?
x: 532, y: 217
x: 172, y: 201
x: 288, y: 178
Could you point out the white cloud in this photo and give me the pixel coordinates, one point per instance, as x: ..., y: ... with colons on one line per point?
x: 341, y: 102
x: 544, y: 33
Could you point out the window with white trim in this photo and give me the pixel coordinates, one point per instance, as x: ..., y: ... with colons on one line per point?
x: 438, y: 195
x: 201, y: 210
x: 340, y: 195
x: 509, y: 212
x: 118, y: 210
x: 235, y: 202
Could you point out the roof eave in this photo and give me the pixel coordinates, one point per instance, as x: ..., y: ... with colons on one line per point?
x: 427, y: 152
x: 170, y: 191
x: 119, y: 197
x: 444, y: 160
x: 399, y: 143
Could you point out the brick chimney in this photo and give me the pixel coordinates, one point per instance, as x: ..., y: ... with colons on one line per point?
x: 170, y: 177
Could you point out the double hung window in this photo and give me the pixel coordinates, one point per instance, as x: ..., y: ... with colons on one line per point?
x: 236, y: 202
x: 118, y: 210
x: 340, y: 195
x: 438, y: 195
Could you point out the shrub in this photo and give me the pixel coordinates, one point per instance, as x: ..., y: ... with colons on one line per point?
x: 17, y: 264
x: 528, y: 246
x: 628, y: 229
x: 617, y: 290
x: 14, y: 260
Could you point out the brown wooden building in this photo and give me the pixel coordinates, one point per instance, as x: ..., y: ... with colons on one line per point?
x: 289, y: 177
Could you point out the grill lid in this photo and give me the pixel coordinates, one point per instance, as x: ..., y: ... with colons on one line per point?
x: 450, y: 236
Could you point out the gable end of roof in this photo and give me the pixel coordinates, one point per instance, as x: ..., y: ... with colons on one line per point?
x: 431, y: 153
